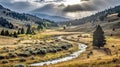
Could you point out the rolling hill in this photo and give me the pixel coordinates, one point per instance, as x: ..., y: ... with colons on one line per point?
x: 12, y: 20
x: 109, y: 20
x: 52, y: 18
x: 99, y: 16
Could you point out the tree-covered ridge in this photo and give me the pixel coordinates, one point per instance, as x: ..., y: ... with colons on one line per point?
x: 17, y: 16
x: 23, y: 17
x: 99, y: 16
x: 5, y: 23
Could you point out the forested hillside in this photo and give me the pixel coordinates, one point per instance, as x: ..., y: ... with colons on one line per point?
x: 10, y: 19
x: 100, y: 16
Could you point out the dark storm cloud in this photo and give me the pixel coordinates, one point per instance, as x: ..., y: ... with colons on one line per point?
x: 51, y: 9
x: 91, y: 5
x: 20, y: 6
x: 85, y: 7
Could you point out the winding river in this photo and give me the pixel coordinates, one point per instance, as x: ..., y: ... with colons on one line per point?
x: 82, y: 48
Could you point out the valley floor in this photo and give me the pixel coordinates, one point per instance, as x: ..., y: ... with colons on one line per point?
x: 99, y: 57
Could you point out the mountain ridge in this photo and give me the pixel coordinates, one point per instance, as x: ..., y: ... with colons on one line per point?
x: 19, y: 19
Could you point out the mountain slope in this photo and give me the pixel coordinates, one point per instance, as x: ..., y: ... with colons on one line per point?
x: 18, y: 19
x: 108, y: 19
x: 52, y: 18
x: 100, y: 16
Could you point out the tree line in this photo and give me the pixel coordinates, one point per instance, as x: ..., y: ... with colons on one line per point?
x: 20, y: 31
x: 7, y: 33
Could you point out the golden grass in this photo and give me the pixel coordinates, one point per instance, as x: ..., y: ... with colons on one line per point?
x: 99, y: 57
x: 38, y: 58
x: 7, y: 40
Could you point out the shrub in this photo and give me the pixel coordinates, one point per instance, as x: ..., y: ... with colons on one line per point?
x: 19, y: 65
x: 32, y: 58
x: 4, y: 61
x: 64, y: 47
x: 52, y: 50
x: 115, y: 60
x: 12, y: 50
x: 1, y: 57
x: 42, y: 51
x: 59, y: 49
x: 22, y: 60
x: 24, y: 54
x: 34, y: 52
x: 12, y: 55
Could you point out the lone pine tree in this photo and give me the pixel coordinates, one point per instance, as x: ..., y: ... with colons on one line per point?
x: 6, y: 33
x: 2, y: 32
x: 22, y: 31
x: 118, y: 14
x: 15, y: 35
x: 98, y: 37
x: 29, y: 30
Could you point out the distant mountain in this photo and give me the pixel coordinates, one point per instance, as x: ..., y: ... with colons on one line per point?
x: 11, y: 19
x: 52, y: 18
x: 100, y: 16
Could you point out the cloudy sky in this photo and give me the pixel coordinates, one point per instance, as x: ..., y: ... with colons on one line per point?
x: 66, y: 8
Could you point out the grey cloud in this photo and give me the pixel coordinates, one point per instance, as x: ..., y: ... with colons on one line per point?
x: 60, y: 9
x: 84, y: 7
x: 91, y: 5
x: 50, y: 9
x: 17, y: 6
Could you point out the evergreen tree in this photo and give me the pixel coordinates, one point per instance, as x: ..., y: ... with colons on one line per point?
x: 2, y: 32
x: 29, y: 30
x: 6, y: 33
x: 18, y: 32
x: 33, y: 30
x: 113, y: 29
x: 22, y: 31
x: 40, y: 27
x: 98, y: 37
x: 15, y: 35
x: 118, y: 14
x: 64, y: 27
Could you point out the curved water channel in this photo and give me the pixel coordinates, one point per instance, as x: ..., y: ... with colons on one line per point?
x: 82, y: 48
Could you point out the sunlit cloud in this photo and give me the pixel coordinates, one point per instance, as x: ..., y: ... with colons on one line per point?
x: 67, y: 8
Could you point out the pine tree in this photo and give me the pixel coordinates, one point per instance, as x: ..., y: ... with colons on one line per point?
x: 98, y: 37
x: 113, y: 29
x: 118, y: 14
x: 18, y: 32
x: 33, y: 31
x: 15, y: 35
x: 40, y: 27
x: 2, y: 32
x: 29, y: 30
x: 22, y: 31
x: 6, y: 33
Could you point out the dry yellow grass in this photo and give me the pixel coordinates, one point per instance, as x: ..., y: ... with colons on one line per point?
x: 99, y: 57
x: 7, y: 40
x: 42, y: 35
